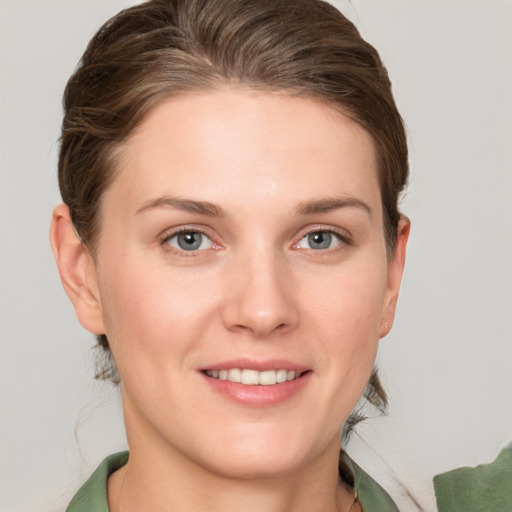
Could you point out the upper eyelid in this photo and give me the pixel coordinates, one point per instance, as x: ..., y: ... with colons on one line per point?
x: 170, y: 232
x: 342, y: 240
x: 344, y: 234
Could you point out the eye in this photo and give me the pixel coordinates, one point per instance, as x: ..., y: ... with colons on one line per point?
x: 320, y: 240
x: 189, y: 241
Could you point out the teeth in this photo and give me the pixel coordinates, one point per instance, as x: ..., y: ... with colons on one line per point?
x: 281, y: 376
x: 254, y: 377
x: 250, y: 377
x: 235, y: 375
x: 268, y: 378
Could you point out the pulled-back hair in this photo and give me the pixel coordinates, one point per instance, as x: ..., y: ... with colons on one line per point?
x: 163, y: 48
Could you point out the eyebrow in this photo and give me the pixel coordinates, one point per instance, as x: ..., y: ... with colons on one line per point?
x: 213, y: 210
x: 333, y: 203
x: 188, y: 205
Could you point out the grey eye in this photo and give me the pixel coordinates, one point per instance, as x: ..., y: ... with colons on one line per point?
x: 319, y: 240
x: 190, y: 241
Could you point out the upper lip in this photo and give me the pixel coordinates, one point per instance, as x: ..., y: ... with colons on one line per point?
x: 259, y: 365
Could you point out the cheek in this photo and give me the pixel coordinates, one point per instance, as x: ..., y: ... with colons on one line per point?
x: 146, y: 307
x: 345, y: 315
x: 348, y: 299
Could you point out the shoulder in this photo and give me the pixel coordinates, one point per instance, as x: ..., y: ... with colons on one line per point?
x: 92, y: 496
x: 485, y: 487
x: 371, y: 496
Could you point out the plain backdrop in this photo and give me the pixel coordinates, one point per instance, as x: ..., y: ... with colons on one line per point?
x: 447, y: 364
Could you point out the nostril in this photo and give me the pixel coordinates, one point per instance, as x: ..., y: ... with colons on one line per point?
x: 259, y: 306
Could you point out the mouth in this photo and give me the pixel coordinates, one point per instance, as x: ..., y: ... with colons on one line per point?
x: 251, y: 377
x: 257, y: 384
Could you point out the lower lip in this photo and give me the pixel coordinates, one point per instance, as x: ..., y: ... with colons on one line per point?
x: 258, y: 396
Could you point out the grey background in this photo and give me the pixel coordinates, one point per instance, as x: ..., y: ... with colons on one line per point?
x: 448, y: 362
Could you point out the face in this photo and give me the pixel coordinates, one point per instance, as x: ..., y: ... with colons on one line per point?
x: 242, y: 279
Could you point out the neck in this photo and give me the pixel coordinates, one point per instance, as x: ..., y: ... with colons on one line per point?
x: 164, y: 482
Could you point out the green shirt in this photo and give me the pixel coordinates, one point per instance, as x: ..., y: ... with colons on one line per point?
x: 92, y: 496
x: 486, y: 488
x: 481, y: 489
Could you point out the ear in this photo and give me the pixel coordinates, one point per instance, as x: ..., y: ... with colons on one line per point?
x: 395, y: 271
x: 77, y: 271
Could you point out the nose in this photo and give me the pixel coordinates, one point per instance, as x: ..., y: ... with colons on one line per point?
x: 261, y: 299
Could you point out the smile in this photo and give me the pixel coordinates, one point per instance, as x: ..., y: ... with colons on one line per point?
x: 254, y: 377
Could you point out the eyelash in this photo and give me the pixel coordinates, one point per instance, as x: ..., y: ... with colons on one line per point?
x: 165, y: 241
x: 343, y: 240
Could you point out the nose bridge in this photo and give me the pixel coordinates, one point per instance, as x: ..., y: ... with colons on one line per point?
x: 262, y: 297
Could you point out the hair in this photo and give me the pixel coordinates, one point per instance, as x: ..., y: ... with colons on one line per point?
x: 163, y: 48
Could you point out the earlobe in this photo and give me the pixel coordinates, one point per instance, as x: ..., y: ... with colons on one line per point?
x: 77, y: 271
x: 395, y: 271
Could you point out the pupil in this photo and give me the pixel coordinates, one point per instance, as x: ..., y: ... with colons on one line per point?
x: 320, y: 240
x: 189, y: 241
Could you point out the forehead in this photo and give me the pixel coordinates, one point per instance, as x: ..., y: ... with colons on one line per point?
x: 230, y: 143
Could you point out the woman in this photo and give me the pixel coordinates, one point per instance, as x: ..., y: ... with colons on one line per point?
x: 230, y: 171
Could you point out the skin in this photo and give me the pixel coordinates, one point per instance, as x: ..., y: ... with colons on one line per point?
x: 279, y: 168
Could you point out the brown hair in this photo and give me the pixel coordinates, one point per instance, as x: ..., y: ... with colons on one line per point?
x: 163, y: 48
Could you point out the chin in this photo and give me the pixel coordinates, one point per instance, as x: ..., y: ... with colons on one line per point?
x: 256, y: 467
x: 261, y: 457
